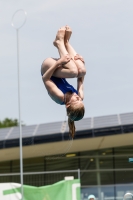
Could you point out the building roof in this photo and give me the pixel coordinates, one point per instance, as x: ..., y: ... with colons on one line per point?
x: 58, y: 131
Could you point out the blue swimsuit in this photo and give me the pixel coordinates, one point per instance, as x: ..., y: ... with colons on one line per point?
x: 63, y: 85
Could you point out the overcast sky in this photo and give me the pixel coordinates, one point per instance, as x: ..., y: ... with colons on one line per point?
x: 102, y: 34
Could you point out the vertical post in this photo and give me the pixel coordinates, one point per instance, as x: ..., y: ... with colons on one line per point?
x: 19, y: 111
x: 44, y: 176
x: 78, y: 173
x: 98, y: 178
x: 11, y: 170
x: 114, y: 174
x: 19, y: 104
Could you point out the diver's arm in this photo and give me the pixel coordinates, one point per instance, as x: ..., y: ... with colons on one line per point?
x: 64, y: 60
x: 55, y: 93
x: 80, y: 88
x: 47, y: 75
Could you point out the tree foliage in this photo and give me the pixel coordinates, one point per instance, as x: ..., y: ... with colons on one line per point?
x: 8, y: 123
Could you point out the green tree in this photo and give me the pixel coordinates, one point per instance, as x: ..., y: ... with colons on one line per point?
x: 8, y: 123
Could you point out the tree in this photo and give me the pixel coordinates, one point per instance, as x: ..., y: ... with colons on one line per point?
x: 8, y: 123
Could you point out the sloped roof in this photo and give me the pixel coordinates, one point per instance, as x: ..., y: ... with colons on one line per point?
x: 49, y: 129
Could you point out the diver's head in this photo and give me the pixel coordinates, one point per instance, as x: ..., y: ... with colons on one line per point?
x: 75, y: 112
x: 75, y: 108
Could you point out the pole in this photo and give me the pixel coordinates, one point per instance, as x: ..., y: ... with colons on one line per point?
x: 79, y: 174
x: 19, y: 111
x: 98, y: 178
x: 19, y: 100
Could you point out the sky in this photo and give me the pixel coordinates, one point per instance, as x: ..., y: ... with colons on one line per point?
x: 102, y: 34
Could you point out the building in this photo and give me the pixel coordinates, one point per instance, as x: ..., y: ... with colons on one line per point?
x: 99, y: 154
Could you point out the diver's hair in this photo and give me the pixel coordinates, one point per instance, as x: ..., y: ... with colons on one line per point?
x: 75, y: 113
x: 71, y: 127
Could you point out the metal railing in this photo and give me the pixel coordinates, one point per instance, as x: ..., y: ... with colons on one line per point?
x: 39, y: 178
x: 102, y: 192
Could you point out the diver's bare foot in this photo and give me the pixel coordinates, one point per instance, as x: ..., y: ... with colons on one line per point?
x: 59, y: 37
x: 68, y: 33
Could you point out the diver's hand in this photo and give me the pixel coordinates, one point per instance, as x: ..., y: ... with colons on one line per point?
x: 64, y: 59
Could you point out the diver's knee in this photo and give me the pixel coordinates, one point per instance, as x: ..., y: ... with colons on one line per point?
x: 74, y: 72
x: 81, y: 72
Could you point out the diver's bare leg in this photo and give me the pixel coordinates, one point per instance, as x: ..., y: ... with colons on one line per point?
x: 68, y: 70
x: 77, y: 59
